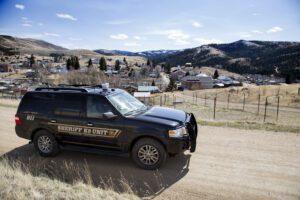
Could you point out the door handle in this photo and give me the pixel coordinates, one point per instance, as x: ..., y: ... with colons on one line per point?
x: 90, y: 124
x: 53, y: 121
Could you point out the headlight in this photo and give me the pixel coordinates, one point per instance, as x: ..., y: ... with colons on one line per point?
x: 178, y: 133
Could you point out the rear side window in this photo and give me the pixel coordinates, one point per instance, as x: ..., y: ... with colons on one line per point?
x: 70, y: 106
x: 38, y: 103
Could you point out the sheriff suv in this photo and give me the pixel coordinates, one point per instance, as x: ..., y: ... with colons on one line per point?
x: 101, y: 119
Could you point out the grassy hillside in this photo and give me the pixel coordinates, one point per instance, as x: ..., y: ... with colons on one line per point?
x: 18, y: 184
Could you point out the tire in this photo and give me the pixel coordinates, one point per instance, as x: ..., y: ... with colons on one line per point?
x: 148, y: 153
x: 45, y: 143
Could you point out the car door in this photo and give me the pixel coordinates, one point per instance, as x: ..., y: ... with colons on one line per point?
x: 68, y: 118
x: 102, y: 131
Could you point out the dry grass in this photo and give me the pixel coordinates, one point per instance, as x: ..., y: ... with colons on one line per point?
x: 18, y: 183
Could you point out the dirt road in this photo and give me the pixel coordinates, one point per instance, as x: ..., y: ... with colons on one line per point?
x: 228, y: 164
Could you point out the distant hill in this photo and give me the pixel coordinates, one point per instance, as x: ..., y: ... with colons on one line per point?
x: 279, y: 58
x: 154, y: 54
x: 9, y: 42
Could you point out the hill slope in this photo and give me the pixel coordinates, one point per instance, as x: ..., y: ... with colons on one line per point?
x: 7, y: 42
x: 243, y: 56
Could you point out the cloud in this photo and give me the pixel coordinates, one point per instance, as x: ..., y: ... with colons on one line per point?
x: 120, y: 36
x: 178, y: 36
x: 207, y: 41
x: 244, y: 34
x: 27, y: 25
x: 40, y: 24
x: 132, y: 44
x: 52, y: 34
x: 275, y: 29
x: 119, y: 22
x: 20, y: 6
x: 255, y: 14
x: 196, y: 24
x: 256, y: 32
x: 66, y: 16
x: 136, y: 37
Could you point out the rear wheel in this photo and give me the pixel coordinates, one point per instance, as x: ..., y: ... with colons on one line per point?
x: 148, y: 153
x: 45, y: 143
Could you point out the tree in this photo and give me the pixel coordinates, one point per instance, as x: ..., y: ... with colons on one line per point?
x: 153, y: 83
x: 69, y: 64
x: 102, y: 64
x: 31, y: 60
x: 216, y: 74
x: 171, y: 85
x: 168, y: 68
x: 90, y: 63
x: 76, y: 63
x: 148, y: 62
x: 124, y: 60
x: 117, y: 65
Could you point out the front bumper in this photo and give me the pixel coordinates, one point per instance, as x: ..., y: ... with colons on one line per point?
x: 179, y: 145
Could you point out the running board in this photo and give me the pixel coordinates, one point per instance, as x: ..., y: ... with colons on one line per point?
x: 93, y: 150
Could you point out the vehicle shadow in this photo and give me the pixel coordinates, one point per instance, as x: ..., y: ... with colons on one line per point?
x: 117, y: 173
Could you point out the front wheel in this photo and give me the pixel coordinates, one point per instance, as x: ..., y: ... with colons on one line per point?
x: 45, y: 143
x: 148, y: 153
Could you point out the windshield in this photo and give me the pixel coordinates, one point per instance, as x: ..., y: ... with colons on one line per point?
x: 126, y: 104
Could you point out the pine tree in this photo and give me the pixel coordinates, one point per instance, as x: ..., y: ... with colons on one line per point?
x: 117, y: 65
x: 76, y: 63
x: 153, y: 83
x: 148, y: 62
x: 69, y: 64
x: 216, y: 74
x: 168, y: 68
x: 171, y: 85
x: 124, y: 60
x: 90, y: 63
x: 102, y: 64
x: 32, y: 60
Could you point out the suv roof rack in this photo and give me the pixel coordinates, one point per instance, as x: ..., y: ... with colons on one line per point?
x: 60, y: 89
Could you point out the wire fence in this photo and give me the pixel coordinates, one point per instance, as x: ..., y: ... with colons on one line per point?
x: 266, y: 109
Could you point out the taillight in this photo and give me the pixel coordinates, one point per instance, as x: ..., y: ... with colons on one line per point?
x: 17, y: 119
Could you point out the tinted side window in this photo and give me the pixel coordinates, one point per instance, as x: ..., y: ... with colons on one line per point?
x: 96, y: 106
x: 71, y: 106
x: 41, y: 103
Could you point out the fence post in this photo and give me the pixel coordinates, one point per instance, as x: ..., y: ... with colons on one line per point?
x: 165, y: 99
x: 196, y: 98
x: 174, y: 101
x: 160, y: 103
x: 228, y: 101
x: 205, y: 100
x: 244, y: 102
x: 215, y: 102
x: 266, y: 104
x: 277, y: 108
x: 258, y: 104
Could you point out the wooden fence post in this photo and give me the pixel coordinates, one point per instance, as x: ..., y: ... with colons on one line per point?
x: 244, y: 102
x: 266, y: 104
x: 277, y: 108
x: 228, y: 101
x: 215, y: 103
x: 196, y: 98
x: 258, y: 104
x: 205, y: 100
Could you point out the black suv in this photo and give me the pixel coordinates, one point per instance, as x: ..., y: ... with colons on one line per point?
x: 98, y: 119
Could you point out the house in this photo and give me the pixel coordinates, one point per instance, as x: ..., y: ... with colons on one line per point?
x: 197, y: 82
x: 151, y: 89
x: 4, y: 67
x: 177, y: 75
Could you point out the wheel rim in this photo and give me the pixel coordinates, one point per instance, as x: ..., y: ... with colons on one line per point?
x: 45, y: 144
x: 148, y: 155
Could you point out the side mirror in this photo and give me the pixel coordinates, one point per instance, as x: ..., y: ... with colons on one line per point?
x: 109, y: 115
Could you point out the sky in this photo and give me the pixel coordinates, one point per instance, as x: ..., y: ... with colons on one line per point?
x: 138, y: 25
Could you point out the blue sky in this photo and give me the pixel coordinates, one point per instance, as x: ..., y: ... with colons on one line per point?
x: 138, y: 25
